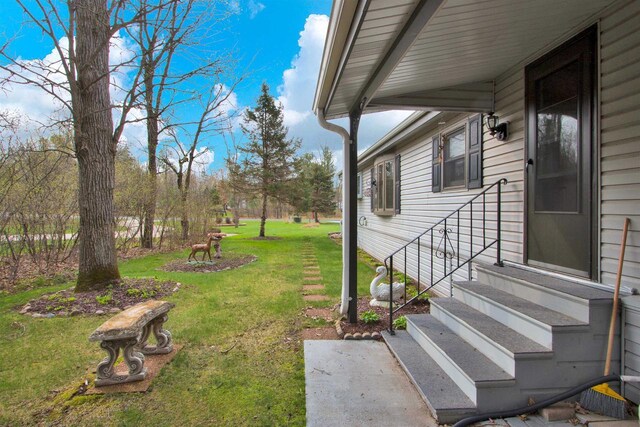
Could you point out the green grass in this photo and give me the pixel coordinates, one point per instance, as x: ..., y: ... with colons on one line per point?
x: 255, y: 311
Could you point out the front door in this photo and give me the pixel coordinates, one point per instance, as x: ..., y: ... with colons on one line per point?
x: 559, y: 179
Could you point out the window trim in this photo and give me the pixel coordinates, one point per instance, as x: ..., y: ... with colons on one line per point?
x: 359, y: 185
x: 443, y: 136
x: 381, y: 161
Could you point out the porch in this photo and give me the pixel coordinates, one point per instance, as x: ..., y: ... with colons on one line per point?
x: 470, y: 68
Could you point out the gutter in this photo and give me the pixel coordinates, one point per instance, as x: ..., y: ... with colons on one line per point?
x: 346, y: 141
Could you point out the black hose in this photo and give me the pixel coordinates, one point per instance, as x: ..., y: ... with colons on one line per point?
x: 528, y: 409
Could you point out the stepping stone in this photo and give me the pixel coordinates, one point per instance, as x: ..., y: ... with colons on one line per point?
x: 311, y: 271
x: 315, y: 298
x: 312, y: 287
x: 312, y: 279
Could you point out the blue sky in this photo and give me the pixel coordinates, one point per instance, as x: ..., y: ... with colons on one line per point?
x: 277, y: 41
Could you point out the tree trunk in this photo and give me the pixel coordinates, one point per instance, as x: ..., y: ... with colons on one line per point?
x: 152, y: 146
x: 95, y: 148
x: 263, y: 218
x: 184, y: 221
x: 315, y: 216
x: 152, y: 190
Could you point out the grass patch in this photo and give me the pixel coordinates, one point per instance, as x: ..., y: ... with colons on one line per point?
x: 242, y: 360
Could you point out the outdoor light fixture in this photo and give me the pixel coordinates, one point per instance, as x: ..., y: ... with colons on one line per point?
x: 499, y: 130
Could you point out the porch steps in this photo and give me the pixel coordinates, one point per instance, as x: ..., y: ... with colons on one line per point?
x: 501, y: 340
x: 527, y: 318
x: 486, y: 334
x: 569, y: 297
x: 430, y: 379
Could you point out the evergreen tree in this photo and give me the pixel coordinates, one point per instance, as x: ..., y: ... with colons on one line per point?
x: 268, y: 156
x: 313, y: 189
x: 322, y: 197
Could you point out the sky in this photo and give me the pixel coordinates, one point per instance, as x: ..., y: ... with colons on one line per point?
x: 279, y: 42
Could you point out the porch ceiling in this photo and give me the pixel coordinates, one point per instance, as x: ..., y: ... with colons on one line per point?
x: 440, y: 54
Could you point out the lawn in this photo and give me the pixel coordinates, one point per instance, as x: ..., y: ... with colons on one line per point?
x: 242, y: 360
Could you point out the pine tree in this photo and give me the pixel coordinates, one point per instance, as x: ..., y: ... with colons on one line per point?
x: 322, y: 197
x: 269, y: 156
x: 313, y: 189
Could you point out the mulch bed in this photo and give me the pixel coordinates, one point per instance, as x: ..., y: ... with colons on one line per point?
x: 115, y: 298
x: 227, y: 262
x: 417, y: 307
x: 327, y: 333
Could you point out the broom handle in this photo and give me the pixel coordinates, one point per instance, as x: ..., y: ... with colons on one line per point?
x: 616, y: 292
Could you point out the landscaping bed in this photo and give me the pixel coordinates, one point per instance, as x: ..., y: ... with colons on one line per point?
x: 227, y: 262
x: 114, y: 299
x: 417, y: 307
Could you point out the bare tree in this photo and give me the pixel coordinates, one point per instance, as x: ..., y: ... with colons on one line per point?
x: 211, y: 121
x: 79, y: 81
x: 162, y: 37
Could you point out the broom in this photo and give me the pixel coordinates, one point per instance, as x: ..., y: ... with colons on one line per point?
x: 602, y: 398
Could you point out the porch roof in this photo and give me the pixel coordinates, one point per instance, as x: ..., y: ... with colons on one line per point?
x: 435, y: 54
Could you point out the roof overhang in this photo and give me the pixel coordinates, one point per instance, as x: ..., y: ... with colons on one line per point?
x: 436, y: 54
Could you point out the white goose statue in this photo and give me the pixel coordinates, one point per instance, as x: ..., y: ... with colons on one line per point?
x: 380, y: 292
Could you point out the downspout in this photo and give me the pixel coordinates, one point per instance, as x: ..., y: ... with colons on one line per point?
x: 346, y: 217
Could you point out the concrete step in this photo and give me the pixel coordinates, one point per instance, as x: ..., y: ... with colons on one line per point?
x: 534, y: 321
x: 569, y: 297
x: 446, y: 401
x: 501, y: 344
x: 472, y: 371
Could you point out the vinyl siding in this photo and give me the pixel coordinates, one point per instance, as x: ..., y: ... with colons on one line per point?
x: 619, y: 174
x: 620, y: 140
x: 421, y: 208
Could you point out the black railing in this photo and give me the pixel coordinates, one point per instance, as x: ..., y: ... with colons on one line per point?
x: 448, y: 251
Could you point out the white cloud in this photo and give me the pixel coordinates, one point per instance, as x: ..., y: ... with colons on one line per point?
x: 36, y: 105
x: 255, y: 8
x: 298, y: 89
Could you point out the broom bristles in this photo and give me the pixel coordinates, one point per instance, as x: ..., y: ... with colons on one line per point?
x: 603, y: 400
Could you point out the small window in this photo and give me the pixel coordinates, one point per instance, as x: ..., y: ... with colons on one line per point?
x: 453, y: 152
x: 383, y: 187
x: 359, y: 185
x: 457, y: 157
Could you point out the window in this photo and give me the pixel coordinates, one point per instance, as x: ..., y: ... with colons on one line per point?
x: 359, y: 185
x: 457, y: 157
x: 453, y: 158
x: 385, y: 186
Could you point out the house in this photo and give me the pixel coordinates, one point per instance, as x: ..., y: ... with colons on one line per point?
x: 523, y: 152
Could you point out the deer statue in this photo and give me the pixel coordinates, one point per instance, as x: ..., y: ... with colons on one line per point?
x: 206, y: 248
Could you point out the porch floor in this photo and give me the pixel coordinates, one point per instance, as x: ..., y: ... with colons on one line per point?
x: 359, y: 383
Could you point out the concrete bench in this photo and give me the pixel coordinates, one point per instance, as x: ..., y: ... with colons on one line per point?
x: 129, y: 330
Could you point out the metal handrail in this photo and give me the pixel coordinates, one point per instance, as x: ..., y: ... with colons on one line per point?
x: 446, y: 254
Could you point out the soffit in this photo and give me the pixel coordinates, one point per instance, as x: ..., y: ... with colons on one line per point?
x: 465, y: 42
x: 381, y: 25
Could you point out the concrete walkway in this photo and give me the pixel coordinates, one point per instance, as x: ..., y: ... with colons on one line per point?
x: 359, y: 383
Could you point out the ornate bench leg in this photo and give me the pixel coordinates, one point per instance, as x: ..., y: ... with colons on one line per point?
x: 163, y: 337
x: 133, y: 359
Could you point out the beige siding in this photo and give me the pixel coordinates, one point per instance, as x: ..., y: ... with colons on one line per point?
x: 619, y: 166
x: 421, y: 208
x: 620, y: 139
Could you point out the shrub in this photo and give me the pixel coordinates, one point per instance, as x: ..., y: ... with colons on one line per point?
x: 369, y: 316
x: 412, y: 292
x: 400, y: 323
x: 104, y: 299
x: 227, y: 220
